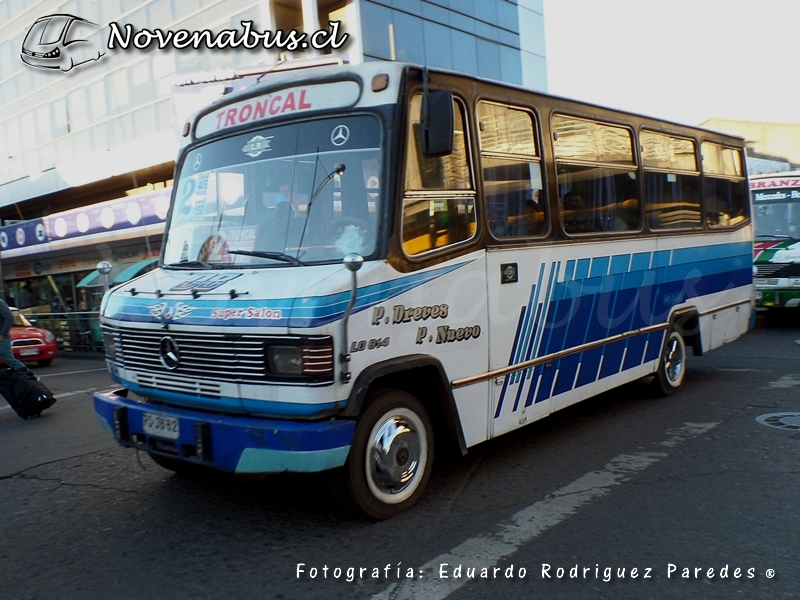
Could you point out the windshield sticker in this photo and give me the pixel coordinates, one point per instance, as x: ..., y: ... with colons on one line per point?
x: 204, y: 282
x: 339, y: 94
x: 257, y: 145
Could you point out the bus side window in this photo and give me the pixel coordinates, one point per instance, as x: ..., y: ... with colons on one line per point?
x: 725, y: 195
x: 726, y: 201
x: 512, y: 174
x: 671, y: 181
x: 595, y: 162
x: 439, y: 201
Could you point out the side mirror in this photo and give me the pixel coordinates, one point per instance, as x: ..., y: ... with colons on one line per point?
x: 437, y: 124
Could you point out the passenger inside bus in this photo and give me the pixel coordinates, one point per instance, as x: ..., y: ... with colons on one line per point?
x: 577, y: 217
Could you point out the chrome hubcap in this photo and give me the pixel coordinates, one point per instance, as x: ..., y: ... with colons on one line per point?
x: 674, y: 360
x: 395, y: 456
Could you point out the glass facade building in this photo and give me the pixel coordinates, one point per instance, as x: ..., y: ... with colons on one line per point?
x: 87, y: 154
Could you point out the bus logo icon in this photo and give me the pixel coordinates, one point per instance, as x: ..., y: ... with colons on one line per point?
x: 61, y: 42
x: 340, y: 135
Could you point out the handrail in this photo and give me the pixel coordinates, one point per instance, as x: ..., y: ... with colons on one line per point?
x: 534, y: 362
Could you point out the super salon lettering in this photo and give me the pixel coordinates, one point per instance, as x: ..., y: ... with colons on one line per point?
x: 251, y: 312
x: 247, y: 37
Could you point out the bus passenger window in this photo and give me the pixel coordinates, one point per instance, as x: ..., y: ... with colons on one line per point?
x: 595, y: 199
x: 671, y: 181
x: 512, y: 174
x: 597, y: 183
x: 725, y: 194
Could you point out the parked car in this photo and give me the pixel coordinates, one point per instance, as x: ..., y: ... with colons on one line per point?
x: 31, y: 344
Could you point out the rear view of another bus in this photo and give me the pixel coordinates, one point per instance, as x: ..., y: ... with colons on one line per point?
x: 776, y: 206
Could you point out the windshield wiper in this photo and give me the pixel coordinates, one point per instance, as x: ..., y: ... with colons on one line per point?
x: 337, y: 170
x: 267, y: 254
x: 192, y: 264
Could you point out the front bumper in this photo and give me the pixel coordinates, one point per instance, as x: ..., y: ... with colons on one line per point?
x: 237, y: 444
x: 776, y: 297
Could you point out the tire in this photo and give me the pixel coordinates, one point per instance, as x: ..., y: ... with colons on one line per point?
x: 45, y: 363
x: 672, y: 364
x: 391, y: 456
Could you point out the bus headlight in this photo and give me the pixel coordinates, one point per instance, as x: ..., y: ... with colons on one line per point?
x: 110, y: 345
x: 312, y: 361
x: 285, y: 360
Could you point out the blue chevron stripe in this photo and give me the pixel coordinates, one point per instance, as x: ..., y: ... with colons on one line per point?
x: 602, y: 296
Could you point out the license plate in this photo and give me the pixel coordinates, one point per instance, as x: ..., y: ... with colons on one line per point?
x: 29, y: 352
x: 160, y: 426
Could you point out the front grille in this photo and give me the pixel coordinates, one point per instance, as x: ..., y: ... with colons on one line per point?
x: 203, y: 359
x: 181, y: 385
x: 218, y: 356
x: 778, y: 270
x: 767, y: 270
x: 27, y: 343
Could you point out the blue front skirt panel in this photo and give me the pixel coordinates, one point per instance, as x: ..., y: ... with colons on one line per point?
x: 238, y: 444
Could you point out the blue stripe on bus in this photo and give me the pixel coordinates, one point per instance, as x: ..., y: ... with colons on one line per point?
x: 661, y: 258
x: 582, y: 269
x: 507, y: 378
x: 610, y: 295
x: 620, y: 264
x: 526, y: 373
x: 522, y: 350
x: 310, y: 311
x: 599, y: 266
x: 569, y: 270
x: 640, y: 261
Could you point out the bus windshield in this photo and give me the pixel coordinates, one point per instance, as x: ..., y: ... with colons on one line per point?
x: 777, y: 208
x: 297, y: 193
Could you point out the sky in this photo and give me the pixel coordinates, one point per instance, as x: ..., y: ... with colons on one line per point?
x: 680, y: 60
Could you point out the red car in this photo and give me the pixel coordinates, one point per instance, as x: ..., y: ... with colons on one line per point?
x: 31, y: 344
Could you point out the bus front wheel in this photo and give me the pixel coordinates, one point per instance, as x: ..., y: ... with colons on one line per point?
x: 672, y: 366
x: 391, y: 456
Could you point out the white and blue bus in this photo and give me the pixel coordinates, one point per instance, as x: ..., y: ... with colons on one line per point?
x: 365, y: 262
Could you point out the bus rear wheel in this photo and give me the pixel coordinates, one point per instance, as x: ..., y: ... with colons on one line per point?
x: 672, y: 365
x: 391, y: 456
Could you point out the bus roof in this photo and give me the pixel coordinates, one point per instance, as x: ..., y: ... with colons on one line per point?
x: 262, y: 81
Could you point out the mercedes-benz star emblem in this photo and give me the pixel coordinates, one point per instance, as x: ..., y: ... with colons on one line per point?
x: 340, y: 135
x: 169, y: 353
x: 198, y: 160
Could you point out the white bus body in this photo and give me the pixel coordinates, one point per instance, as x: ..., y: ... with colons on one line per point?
x: 412, y: 298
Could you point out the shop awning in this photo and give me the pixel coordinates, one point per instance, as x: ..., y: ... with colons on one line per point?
x: 134, y: 270
x: 93, y: 279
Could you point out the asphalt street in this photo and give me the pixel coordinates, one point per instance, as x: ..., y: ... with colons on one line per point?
x: 696, y: 492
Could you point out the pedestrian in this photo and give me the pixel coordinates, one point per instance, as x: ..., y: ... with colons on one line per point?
x: 25, y: 298
x: 6, y: 321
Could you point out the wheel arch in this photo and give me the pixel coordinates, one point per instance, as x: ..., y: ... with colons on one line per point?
x: 422, y: 376
x: 686, y: 321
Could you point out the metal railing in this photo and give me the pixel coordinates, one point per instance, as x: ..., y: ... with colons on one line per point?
x: 74, y: 331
